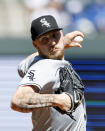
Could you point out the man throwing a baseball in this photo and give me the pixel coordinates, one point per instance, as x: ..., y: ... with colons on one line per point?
x: 50, y: 87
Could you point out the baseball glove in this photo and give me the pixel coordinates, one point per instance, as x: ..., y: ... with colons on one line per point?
x: 71, y: 84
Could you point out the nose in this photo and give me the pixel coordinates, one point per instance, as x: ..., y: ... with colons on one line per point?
x: 52, y: 42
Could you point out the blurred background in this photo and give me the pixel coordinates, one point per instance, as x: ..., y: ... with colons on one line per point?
x: 87, y: 16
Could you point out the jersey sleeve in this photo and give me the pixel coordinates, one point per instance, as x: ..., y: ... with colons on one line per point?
x: 26, y: 64
x: 40, y: 74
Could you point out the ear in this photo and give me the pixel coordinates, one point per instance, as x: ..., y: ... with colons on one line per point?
x: 34, y: 44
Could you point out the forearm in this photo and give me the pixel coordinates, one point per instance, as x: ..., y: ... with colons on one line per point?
x: 36, y: 100
x: 26, y: 100
x: 20, y: 108
x: 33, y: 100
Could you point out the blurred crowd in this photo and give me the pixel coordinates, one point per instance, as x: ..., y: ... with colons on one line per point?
x: 87, y: 16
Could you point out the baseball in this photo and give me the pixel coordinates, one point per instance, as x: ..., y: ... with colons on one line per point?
x: 78, y: 39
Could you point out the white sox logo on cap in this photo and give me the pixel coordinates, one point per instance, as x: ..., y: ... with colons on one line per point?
x: 45, y: 23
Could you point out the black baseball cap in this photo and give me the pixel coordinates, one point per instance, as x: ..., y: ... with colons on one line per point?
x: 43, y: 25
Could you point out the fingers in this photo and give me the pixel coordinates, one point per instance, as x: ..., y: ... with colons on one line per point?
x: 70, y: 37
x: 73, y: 34
x: 77, y: 33
x: 74, y: 44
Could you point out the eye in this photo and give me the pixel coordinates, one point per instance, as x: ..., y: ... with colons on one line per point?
x: 45, y: 40
x: 56, y: 35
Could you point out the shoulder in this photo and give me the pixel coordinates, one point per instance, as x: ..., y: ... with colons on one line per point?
x: 26, y: 64
x: 51, y: 62
x: 49, y: 65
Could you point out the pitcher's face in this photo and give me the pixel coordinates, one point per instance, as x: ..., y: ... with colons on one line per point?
x: 50, y: 45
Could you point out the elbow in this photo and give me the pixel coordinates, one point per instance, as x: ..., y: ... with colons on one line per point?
x: 16, y: 100
x: 15, y: 103
x: 15, y: 107
x: 19, y: 105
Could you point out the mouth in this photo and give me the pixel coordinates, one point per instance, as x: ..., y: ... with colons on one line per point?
x: 54, y: 49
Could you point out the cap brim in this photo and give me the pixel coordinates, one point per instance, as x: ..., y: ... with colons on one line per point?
x: 48, y: 31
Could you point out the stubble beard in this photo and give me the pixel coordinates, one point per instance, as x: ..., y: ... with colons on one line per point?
x: 57, y: 56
